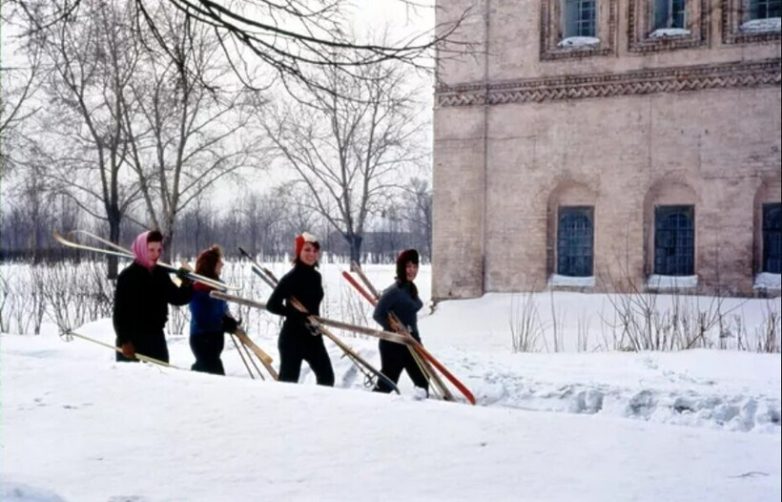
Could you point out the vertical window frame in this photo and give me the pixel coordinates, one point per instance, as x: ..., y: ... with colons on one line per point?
x: 580, y: 261
x: 771, y: 261
x: 552, y: 31
x: 681, y: 262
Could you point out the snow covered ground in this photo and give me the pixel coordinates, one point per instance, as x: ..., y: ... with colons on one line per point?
x: 585, y: 423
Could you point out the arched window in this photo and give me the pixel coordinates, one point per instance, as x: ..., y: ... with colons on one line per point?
x: 574, y: 241
x: 772, y: 238
x: 674, y: 240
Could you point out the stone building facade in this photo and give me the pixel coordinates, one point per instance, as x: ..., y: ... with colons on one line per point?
x: 607, y: 145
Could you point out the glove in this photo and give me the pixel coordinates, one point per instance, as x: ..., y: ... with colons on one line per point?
x: 230, y: 325
x: 182, y: 273
x: 128, y: 350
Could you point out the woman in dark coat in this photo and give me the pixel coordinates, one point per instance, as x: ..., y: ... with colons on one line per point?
x: 141, y: 300
x: 298, y: 342
x: 209, y: 317
x: 400, y: 299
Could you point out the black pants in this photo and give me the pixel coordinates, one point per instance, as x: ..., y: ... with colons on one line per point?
x: 152, y: 345
x: 394, y: 358
x: 207, y: 348
x: 296, y: 346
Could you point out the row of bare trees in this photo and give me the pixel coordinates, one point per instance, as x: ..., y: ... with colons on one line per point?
x: 136, y: 111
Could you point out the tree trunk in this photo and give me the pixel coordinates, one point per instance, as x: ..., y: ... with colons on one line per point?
x: 354, y: 242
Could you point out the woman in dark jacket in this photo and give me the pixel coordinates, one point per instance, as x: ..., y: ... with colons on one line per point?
x: 209, y: 317
x: 141, y: 300
x: 400, y: 299
x: 298, y: 342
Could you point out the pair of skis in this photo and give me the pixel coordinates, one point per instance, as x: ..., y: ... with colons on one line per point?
x: 426, y: 361
x: 126, y: 253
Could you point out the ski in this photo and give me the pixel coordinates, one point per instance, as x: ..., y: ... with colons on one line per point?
x: 126, y: 253
x: 377, y: 333
x: 417, y: 345
x: 141, y: 357
x: 262, y: 356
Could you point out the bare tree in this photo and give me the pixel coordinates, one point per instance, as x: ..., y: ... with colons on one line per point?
x: 348, y: 153
x: 18, y: 82
x: 294, y: 38
x: 417, y: 212
x: 81, y: 138
x: 193, y: 128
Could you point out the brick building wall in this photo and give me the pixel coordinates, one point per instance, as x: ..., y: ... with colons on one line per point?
x: 523, y: 128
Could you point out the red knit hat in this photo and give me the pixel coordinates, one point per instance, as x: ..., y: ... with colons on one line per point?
x: 298, y: 243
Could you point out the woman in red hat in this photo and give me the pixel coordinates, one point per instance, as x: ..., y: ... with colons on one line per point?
x: 209, y: 318
x: 400, y: 299
x: 297, y: 341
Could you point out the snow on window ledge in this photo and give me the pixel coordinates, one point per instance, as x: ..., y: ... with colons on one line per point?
x: 767, y: 280
x: 672, y: 282
x: 770, y: 24
x: 670, y: 33
x: 570, y: 281
x: 578, y: 42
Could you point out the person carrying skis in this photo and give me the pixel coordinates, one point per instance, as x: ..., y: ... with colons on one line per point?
x: 209, y: 317
x: 141, y: 300
x: 400, y: 300
x: 298, y: 342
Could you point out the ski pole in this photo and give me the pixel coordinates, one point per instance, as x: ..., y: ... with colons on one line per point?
x: 233, y: 339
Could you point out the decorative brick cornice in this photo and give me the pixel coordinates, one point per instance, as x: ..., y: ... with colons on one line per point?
x: 674, y: 79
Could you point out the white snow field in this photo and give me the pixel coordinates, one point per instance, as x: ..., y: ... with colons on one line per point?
x: 588, y: 424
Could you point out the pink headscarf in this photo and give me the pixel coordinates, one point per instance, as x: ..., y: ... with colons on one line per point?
x: 140, y: 251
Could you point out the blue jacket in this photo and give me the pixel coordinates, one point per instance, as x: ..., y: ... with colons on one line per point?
x: 206, y: 313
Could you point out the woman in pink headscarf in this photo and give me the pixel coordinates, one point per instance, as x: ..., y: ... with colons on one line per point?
x: 141, y: 300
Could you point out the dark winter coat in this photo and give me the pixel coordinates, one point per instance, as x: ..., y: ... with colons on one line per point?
x: 297, y: 341
x: 399, y: 298
x: 141, y: 308
x: 303, y: 283
x: 402, y: 299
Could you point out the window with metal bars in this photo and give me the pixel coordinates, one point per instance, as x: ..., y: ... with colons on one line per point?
x: 772, y: 238
x: 670, y: 14
x: 580, y: 18
x: 764, y: 9
x: 674, y: 240
x: 574, y: 241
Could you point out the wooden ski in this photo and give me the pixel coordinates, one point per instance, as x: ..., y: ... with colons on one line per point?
x: 265, y: 358
x: 126, y: 253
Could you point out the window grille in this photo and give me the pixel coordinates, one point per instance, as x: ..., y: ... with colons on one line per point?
x: 574, y: 241
x: 674, y: 240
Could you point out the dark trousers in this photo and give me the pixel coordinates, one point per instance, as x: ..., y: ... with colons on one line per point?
x: 296, y: 347
x: 393, y: 359
x: 207, y: 348
x: 153, y: 345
